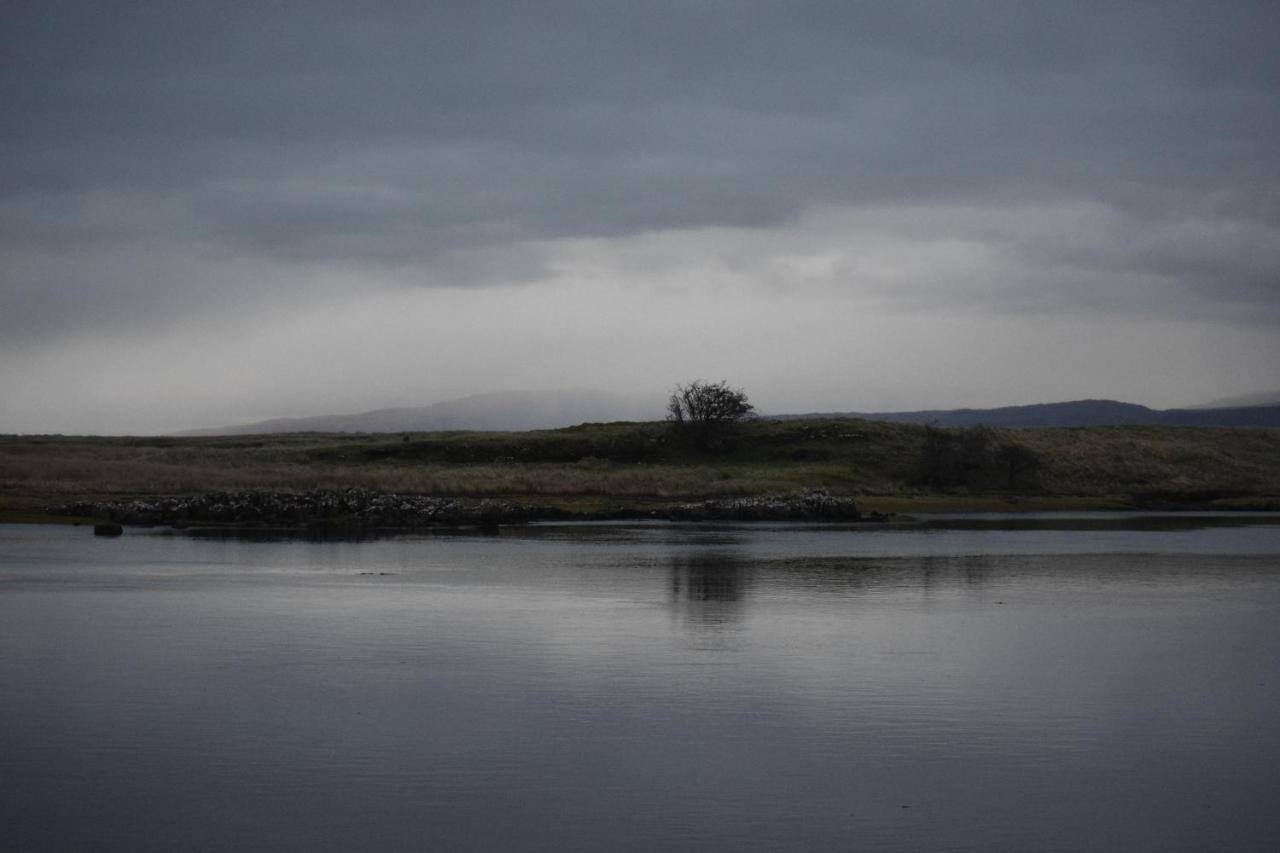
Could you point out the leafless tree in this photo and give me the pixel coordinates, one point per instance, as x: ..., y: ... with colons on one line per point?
x: 706, y: 409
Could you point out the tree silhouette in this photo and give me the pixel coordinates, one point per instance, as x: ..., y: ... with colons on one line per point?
x: 706, y: 410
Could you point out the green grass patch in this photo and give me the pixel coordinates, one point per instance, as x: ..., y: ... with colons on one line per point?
x: 595, y: 466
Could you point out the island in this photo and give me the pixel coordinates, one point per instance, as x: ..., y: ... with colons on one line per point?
x: 822, y: 469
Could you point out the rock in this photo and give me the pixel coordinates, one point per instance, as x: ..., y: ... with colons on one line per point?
x: 107, y: 528
x: 815, y: 505
x: 361, y: 509
x: 346, y: 508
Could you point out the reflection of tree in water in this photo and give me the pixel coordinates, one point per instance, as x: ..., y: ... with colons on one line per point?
x: 709, y: 588
x: 853, y: 576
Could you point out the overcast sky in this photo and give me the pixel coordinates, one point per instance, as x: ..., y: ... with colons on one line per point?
x: 212, y: 213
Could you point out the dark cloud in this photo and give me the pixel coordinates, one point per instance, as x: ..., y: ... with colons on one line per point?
x: 183, y: 159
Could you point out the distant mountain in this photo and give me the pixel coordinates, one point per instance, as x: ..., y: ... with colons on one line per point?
x: 524, y: 410
x: 1076, y: 413
x: 1265, y: 398
x: 500, y: 410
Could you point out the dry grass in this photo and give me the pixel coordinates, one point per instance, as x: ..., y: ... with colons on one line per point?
x: 638, y: 463
x: 1136, y: 460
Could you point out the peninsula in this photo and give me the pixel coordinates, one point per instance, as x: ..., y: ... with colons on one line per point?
x: 760, y: 469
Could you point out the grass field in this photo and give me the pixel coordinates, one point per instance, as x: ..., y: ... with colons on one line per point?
x: 599, y: 466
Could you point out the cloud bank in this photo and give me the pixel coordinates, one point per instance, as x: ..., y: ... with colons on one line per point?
x: 198, y: 181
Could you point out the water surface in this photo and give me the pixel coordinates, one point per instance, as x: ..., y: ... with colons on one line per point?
x: 1084, y: 682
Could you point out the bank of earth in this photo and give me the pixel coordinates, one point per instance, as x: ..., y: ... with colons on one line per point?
x: 797, y: 469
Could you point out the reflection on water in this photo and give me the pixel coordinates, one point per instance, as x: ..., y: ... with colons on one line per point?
x: 1096, y: 521
x: 727, y: 534
x: 708, y: 589
x: 977, y: 684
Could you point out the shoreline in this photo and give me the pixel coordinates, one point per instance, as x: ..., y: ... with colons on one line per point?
x: 373, y: 510
x: 642, y: 470
x: 363, y: 508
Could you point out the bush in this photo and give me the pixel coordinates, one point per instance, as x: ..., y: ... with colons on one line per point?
x: 705, y: 411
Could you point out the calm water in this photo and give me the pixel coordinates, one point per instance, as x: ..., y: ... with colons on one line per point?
x: 979, y: 683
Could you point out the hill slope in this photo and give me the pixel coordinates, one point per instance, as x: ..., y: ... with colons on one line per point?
x: 499, y: 410
x: 1264, y: 398
x: 1077, y: 413
x: 529, y: 410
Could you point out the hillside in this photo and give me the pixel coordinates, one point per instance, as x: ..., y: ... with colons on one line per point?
x: 635, y: 465
x: 1262, y: 398
x: 499, y: 410
x: 1076, y: 413
x: 533, y: 410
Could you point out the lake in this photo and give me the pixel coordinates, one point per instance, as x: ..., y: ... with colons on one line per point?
x: 1041, y: 682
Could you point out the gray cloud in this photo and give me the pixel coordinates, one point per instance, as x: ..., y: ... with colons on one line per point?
x: 319, y: 131
x: 169, y: 161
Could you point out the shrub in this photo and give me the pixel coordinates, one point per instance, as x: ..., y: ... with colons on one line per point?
x: 705, y: 411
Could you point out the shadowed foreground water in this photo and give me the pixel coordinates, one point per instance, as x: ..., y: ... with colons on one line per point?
x: 1044, y: 683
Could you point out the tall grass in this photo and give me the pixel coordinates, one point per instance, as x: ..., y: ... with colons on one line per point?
x: 631, y: 461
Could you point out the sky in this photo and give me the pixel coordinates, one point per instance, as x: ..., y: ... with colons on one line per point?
x: 213, y: 213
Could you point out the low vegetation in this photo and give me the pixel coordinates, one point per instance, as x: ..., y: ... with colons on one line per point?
x: 603, y: 466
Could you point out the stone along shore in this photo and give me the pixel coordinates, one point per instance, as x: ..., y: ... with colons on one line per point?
x: 373, y: 509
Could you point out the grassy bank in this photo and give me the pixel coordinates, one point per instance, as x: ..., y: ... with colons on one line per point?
x: 595, y: 467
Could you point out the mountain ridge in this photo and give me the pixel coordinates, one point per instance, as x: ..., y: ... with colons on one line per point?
x: 1072, y: 413
x: 1241, y: 401
x: 491, y: 411
x: 527, y: 410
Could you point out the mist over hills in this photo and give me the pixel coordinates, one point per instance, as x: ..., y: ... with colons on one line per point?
x: 498, y: 410
x: 1076, y: 413
x: 550, y: 409
x: 1265, y: 398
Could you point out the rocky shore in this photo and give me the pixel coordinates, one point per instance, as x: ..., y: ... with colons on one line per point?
x: 368, y: 509
x: 319, y: 506
x: 807, y: 506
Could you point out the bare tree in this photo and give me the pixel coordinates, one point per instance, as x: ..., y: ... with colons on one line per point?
x: 706, y: 409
